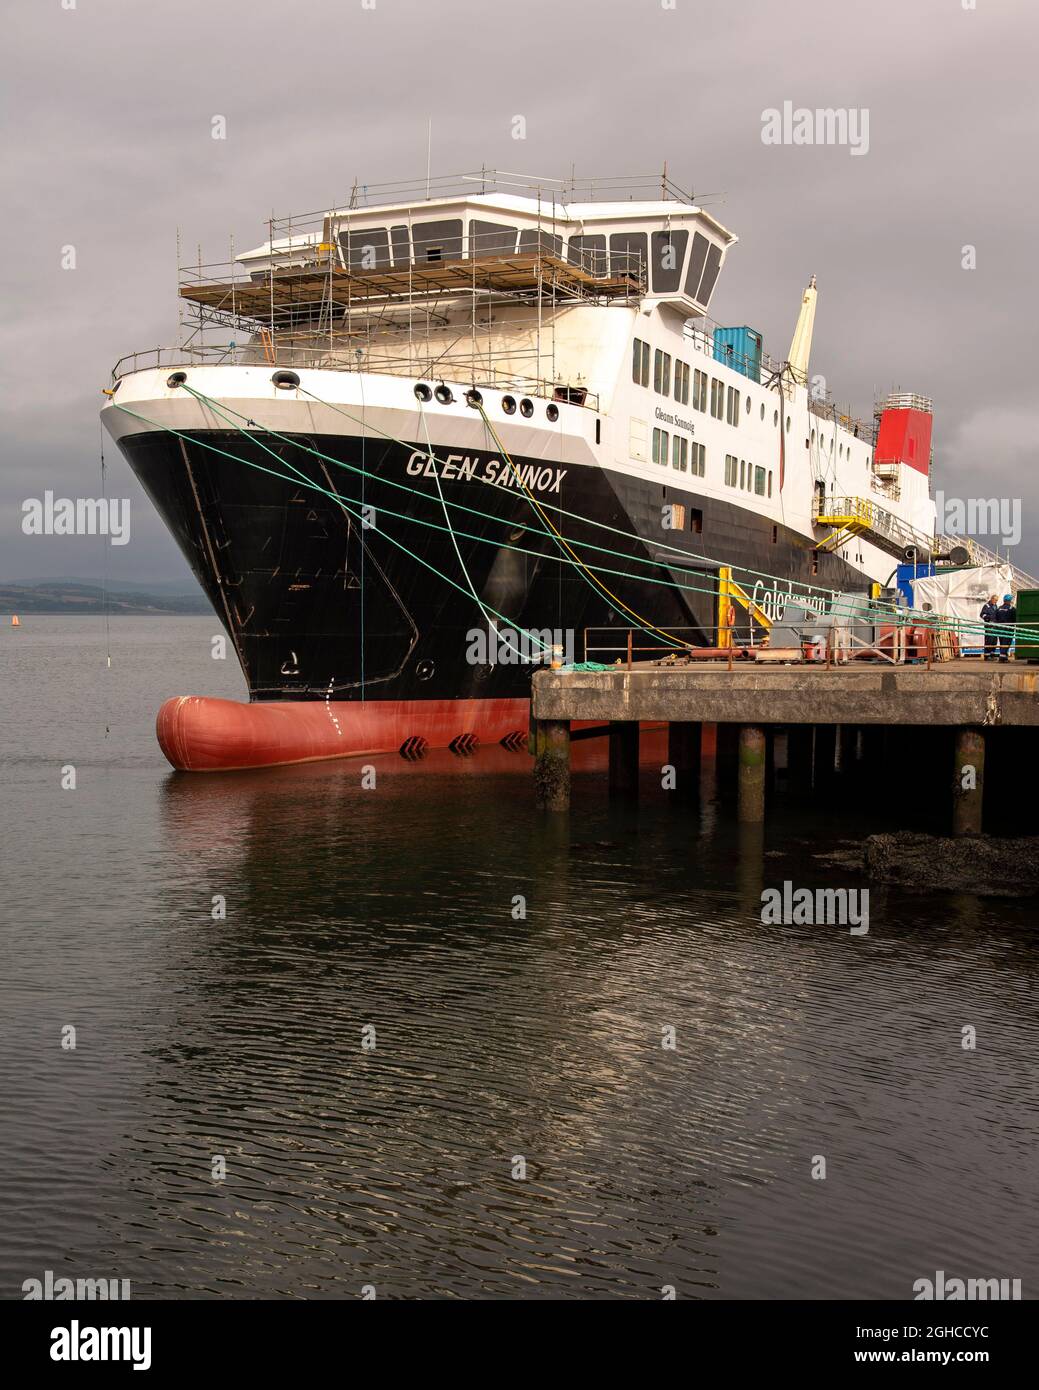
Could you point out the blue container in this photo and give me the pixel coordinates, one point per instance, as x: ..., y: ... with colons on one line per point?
x: 739, y: 348
x: 905, y: 575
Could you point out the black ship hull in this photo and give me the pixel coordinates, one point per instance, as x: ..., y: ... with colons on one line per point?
x: 351, y: 577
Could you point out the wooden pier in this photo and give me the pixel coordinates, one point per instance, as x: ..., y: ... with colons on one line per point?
x: 821, y: 708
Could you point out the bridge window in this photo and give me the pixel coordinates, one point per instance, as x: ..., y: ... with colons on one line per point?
x: 682, y: 382
x: 366, y: 248
x: 588, y: 252
x: 401, y: 240
x: 697, y: 259
x: 699, y: 389
x: 640, y: 363
x: 660, y: 446
x: 662, y: 372
x: 668, y: 256
x: 698, y: 460
x: 550, y: 245
x: 491, y: 239
x: 438, y: 241
x: 710, y: 275
x: 628, y: 254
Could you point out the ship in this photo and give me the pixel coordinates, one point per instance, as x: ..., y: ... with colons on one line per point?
x: 413, y: 446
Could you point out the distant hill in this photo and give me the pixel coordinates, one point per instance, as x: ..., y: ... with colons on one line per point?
x: 56, y: 596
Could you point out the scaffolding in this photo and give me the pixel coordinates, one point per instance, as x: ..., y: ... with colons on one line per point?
x: 476, y: 308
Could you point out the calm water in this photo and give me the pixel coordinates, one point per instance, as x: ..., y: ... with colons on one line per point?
x: 495, y: 1037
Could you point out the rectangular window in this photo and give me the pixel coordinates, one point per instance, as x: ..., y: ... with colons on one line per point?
x: 682, y: 383
x: 732, y: 409
x: 699, y: 390
x: 731, y: 470
x: 662, y: 372
x: 717, y: 398
x: 775, y: 535
x: 660, y: 446
x: 698, y: 461
x: 696, y: 520
x: 640, y: 363
x: 680, y: 452
x: 743, y: 473
x: 770, y: 482
x: 759, y: 481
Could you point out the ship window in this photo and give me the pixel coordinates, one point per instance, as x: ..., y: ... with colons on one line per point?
x: 743, y: 473
x: 775, y: 531
x: 662, y: 372
x: 668, y: 255
x: 770, y: 482
x: 696, y: 520
x: 640, y: 363
x: 682, y: 383
x: 732, y: 406
x: 710, y: 275
x: 550, y: 245
x: 759, y: 481
x: 365, y: 248
x: 730, y: 470
x: 588, y: 252
x: 699, y: 389
x: 660, y: 446
x: 763, y: 410
x: 698, y: 460
x: 697, y: 257
x: 438, y: 241
x: 401, y: 239
x: 747, y: 406
x: 680, y: 453
x: 628, y: 254
x: 491, y: 239
x: 717, y: 398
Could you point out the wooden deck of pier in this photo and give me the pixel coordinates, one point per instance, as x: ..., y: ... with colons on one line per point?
x: 965, y: 696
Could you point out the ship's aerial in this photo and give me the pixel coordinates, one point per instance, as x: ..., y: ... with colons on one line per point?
x: 482, y: 406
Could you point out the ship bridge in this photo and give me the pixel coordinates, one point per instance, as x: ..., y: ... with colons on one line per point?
x: 401, y: 279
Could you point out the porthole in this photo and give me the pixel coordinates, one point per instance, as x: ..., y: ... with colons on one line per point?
x: 285, y: 381
x: 444, y: 394
x: 176, y: 379
x: 762, y: 410
x: 788, y: 424
x: 747, y: 406
x: 813, y: 436
x: 775, y: 417
x: 508, y: 404
x: 527, y: 407
x: 422, y: 391
x: 424, y: 670
x: 552, y: 411
x: 473, y: 398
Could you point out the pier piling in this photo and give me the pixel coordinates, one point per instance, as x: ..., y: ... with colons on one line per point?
x: 968, y: 782
x: 752, y: 758
x: 552, y: 764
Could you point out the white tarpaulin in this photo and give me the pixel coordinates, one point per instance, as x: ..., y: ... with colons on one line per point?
x: 961, y: 593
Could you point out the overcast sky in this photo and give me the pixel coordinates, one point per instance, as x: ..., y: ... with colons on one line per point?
x: 108, y: 148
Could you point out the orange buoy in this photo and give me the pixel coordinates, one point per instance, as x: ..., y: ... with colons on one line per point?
x: 16, y: 621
